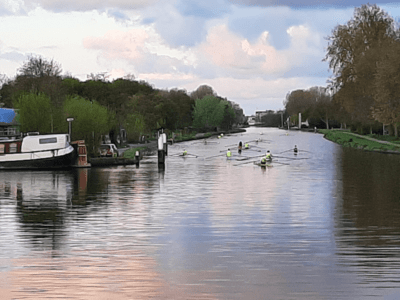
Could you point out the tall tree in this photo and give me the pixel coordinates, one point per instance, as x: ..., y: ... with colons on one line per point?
x: 387, y: 90
x: 38, y: 66
x: 352, y: 53
x: 202, y: 91
x: 323, y: 108
x: 229, y: 115
x: 300, y: 101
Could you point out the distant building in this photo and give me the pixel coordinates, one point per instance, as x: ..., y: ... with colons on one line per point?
x: 9, y: 126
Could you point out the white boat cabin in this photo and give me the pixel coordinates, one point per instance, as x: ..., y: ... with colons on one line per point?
x: 34, y: 143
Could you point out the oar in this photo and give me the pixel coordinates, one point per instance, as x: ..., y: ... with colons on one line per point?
x: 213, y: 156
x: 285, y: 151
x: 304, y: 151
x: 292, y: 158
x: 257, y: 156
x: 175, y: 154
x: 244, y: 158
x: 181, y: 154
x: 193, y: 154
x: 247, y: 162
x: 277, y: 162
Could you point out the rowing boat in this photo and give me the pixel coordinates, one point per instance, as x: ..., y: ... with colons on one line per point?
x: 263, y: 165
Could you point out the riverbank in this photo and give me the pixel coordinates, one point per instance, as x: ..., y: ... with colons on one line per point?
x: 150, y: 148
x: 361, y: 142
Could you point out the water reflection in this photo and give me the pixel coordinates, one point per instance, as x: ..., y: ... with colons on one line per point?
x: 320, y: 225
x: 368, y: 228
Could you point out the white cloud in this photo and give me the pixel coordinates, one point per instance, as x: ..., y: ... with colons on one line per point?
x: 118, y: 44
x: 245, y: 69
x: 88, y: 5
x: 236, y: 55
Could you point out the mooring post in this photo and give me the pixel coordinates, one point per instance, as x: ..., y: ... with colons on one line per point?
x: 161, y: 152
x: 299, y: 120
x: 165, y: 144
x: 137, y: 157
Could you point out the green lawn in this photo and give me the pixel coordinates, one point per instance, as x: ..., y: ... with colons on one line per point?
x: 346, y: 139
x: 131, y: 152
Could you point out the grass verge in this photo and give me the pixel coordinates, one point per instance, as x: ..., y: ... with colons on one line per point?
x: 131, y: 152
x: 346, y: 139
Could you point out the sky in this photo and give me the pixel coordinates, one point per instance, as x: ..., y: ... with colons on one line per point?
x: 252, y: 52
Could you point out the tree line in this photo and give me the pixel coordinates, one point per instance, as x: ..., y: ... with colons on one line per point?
x: 44, y: 100
x: 364, y: 91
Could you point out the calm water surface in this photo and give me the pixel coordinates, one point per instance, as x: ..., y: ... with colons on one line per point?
x: 324, y: 224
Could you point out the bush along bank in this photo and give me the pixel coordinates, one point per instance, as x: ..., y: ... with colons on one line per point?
x: 151, y: 147
x: 367, y: 143
x: 131, y: 153
x: 198, y: 136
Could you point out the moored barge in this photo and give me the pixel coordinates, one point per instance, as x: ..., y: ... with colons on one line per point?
x: 34, y: 151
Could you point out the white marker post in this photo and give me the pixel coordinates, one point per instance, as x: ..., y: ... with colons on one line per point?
x: 299, y: 120
x: 161, y: 152
x: 137, y: 156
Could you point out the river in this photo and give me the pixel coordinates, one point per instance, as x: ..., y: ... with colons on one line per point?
x: 322, y: 224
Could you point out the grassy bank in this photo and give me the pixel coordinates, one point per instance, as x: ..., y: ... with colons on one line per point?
x: 132, y: 152
x: 368, y: 143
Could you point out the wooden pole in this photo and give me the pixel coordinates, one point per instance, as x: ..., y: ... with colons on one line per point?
x: 165, y: 144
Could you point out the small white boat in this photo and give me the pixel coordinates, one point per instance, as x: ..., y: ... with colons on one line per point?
x: 50, y: 151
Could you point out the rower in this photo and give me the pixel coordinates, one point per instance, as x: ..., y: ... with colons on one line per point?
x: 246, y: 146
x: 184, y: 152
x: 240, y: 145
x: 228, y: 153
x: 268, y: 156
x: 263, y: 162
x: 295, y: 149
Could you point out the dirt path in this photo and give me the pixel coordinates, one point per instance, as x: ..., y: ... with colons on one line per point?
x: 375, y: 140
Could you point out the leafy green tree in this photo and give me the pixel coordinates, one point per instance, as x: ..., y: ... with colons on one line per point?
x: 229, y: 115
x: 34, y: 112
x: 135, y: 126
x: 151, y: 107
x: 6, y: 92
x: 91, y: 121
x: 178, y: 108
x: 208, y: 112
x: 240, y: 118
x: 72, y: 86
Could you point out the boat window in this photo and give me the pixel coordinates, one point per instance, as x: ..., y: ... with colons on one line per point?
x: 13, y: 148
x: 2, y: 148
x: 48, y: 140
